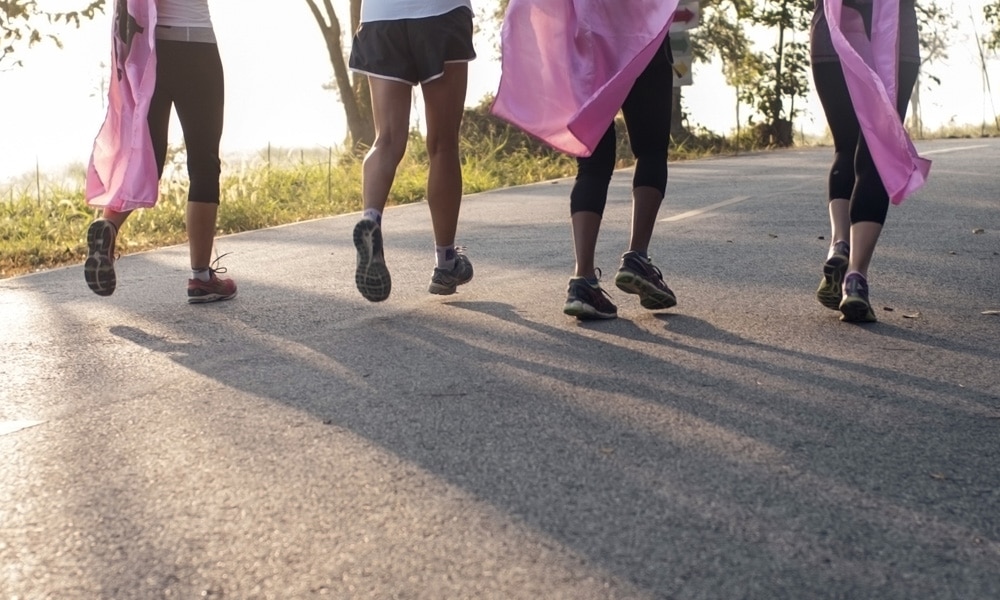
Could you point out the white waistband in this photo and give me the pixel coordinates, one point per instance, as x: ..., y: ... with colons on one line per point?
x: 185, y: 34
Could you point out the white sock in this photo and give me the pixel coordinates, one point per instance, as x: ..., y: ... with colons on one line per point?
x: 201, y: 274
x: 444, y: 257
x: 372, y: 215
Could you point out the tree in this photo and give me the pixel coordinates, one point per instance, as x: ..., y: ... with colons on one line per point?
x: 352, y: 90
x: 23, y: 24
x: 722, y: 34
x: 785, y: 74
x: 992, y: 14
x: 936, y: 26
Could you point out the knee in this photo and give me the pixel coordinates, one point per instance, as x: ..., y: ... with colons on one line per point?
x: 651, y: 171
x: 442, y: 144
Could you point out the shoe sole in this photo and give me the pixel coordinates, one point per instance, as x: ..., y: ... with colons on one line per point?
x: 650, y: 296
x: 99, y: 269
x: 441, y: 289
x: 210, y: 298
x: 856, y: 310
x: 372, y: 276
x: 830, y: 291
x: 585, y: 312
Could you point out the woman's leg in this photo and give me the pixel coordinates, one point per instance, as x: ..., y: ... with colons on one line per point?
x: 391, y: 113
x: 588, y: 199
x: 444, y: 101
x: 199, y: 98
x: 646, y: 111
x: 846, y: 132
x: 870, y: 203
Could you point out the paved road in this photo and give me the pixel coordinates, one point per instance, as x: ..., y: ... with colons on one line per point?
x: 300, y: 442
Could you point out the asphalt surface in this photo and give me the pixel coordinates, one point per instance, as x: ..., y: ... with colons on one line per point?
x: 300, y: 442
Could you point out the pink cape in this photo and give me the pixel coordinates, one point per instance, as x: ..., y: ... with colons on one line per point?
x: 870, y: 68
x: 568, y: 65
x: 122, y: 174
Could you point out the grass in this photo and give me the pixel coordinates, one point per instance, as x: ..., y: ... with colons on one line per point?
x: 43, y: 224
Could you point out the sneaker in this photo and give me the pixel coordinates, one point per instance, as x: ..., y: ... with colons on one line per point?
x: 587, y: 302
x: 638, y: 275
x: 99, y: 270
x: 444, y: 281
x: 371, y: 276
x: 830, y: 288
x: 855, y: 306
x: 213, y: 290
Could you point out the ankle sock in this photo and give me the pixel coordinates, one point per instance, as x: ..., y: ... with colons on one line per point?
x: 201, y: 274
x: 372, y: 215
x: 444, y: 257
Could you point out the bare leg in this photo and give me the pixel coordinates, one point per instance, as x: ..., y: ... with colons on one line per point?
x: 444, y: 99
x: 201, y: 218
x: 864, y: 236
x: 645, y: 206
x: 840, y: 220
x: 586, y: 226
x: 391, y: 112
x: 118, y: 218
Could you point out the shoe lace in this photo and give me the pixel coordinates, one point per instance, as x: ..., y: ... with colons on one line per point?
x: 604, y: 292
x: 214, y: 267
x: 654, y: 268
x: 856, y: 285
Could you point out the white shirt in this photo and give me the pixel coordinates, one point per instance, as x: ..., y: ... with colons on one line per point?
x: 183, y: 13
x: 391, y: 10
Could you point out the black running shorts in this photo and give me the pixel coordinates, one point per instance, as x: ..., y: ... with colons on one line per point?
x: 413, y: 50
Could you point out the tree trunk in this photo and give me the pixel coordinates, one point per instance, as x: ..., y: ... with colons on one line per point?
x: 916, y: 122
x: 678, y: 131
x: 353, y: 95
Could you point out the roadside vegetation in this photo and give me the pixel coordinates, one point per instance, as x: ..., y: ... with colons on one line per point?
x: 43, y: 220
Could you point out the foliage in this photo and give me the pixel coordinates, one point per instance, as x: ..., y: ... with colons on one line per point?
x: 23, y: 24
x: 992, y: 14
x: 785, y: 72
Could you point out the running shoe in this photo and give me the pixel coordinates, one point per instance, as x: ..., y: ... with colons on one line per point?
x: 830, y: 291
x: 588, y: 302
x: 855, y: 307
x: 371, y: 276
x: 213, y: 290
x: 638, y: 275
x: 444, y: 281
x: 99, y: 269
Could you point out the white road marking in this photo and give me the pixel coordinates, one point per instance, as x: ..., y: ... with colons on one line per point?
x: 12, y: 426
x: 946, y: 150
x: 710, y: 207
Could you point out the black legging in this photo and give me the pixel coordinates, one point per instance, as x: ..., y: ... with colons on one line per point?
x: 189, y: 77
x: 853, y: 175
x: 647, y: 118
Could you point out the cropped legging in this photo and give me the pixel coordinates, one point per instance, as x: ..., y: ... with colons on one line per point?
x: 853, y: 175
x: 647, y: 118
x: 189, y: 78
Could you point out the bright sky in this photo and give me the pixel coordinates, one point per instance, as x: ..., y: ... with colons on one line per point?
x: 276, y: 65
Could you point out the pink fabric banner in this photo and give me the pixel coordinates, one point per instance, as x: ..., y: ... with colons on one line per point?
x: 870, y: 68
x: 122, y: 173
x: 568, y: 65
